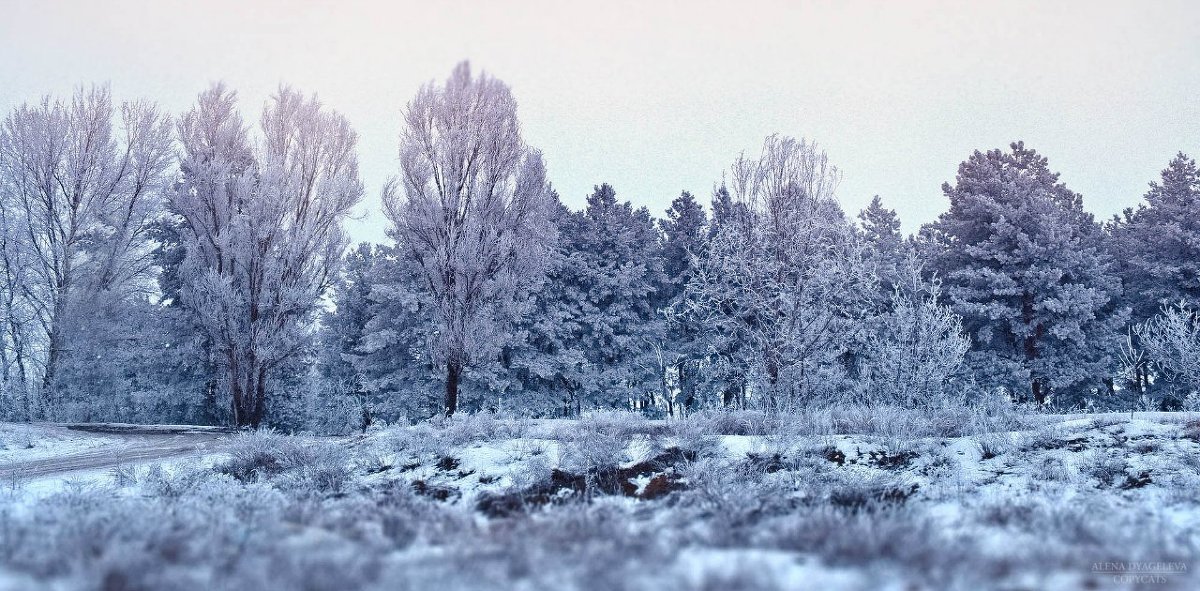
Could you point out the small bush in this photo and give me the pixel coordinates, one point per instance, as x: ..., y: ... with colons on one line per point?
x: 993, y: 445
x: 124, y: 475
x: 465, y: 428
x: 1191, y: 430
x: 616, y: 423
x: 1107, y: 468
x: 895, y: 536
x: 695, y: 436
x: 733, y: 422
x: 1052, y: 469
x: 592, y: 446
x: 322, y: 467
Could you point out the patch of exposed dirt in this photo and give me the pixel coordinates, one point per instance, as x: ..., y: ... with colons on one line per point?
x: 563, y: 485
x: 435, y: 492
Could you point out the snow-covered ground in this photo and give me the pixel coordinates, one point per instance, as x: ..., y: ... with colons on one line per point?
x: 42, y: 459
x: 1069, y: 502
x: 31, y: 441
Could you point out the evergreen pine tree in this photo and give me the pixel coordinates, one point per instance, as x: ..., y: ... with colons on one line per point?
x: 684, y: 238
x: 1023, y: 264
x: 1157, y: 250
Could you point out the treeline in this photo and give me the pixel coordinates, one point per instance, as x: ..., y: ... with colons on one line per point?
x: 193, y: 269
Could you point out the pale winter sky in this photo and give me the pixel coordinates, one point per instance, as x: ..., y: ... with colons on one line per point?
x: 658, y: 97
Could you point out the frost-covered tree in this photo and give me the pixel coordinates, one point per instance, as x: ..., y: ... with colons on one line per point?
x: 888, y: 252
x: 1159, y: 242
x: 783, y: 281
x: 344, y: 326
x: 342, y: 331
x: 613, y: 276
x: 392, y: 356
x: 470, y: 210
x: 1023, y: 264
x: 684, y: 234
x: 81, y: 185
x: 881, y: 225
x: 1156, y: 247
x: 262, y: 230
x: 19, y: 331
x: 596, y: 339
x: 545, y: 361
x: 1171, y: 339
x: 720, y: 347
x: 189, y: 346
x: 914, y: 349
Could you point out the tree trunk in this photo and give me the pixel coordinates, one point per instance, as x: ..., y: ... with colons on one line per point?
x: 453, y: 372
x: 686, y: 391
x: 1032, y: 340
x: 773, y: 383
x: 236, y: 406
x: 248, y: 393
x: 53, y: 355
x: 260, y: 397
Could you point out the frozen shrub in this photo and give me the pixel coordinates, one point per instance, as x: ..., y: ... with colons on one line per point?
x: 440, y: 436
x: 94, y: 530
x: 265, y: 454
x: 373, y: 458
x: 174, y: 483
x: 591, y: 446
x: 1172, y: 340
x: 124, y: 475
x: 1006, y: 513
x: 1043, y: 438
x: 1107, y: 468
x: 1191, y: 430
x: 916, y: 348
x: 734, y: 422
x: 855, y: 492
x: 695, y: 436
x: 734, y: 496
x: 327, y: 474
x: 1070, y: 532
x: 992, y: 445
x: 261, y: 454
x: 897, y: 539
x: 617, y: 423
x: 464, y: 428
x: 1052, y: 469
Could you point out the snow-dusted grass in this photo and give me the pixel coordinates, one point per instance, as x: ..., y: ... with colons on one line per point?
x: 32, y: 441
x: 833, y: 499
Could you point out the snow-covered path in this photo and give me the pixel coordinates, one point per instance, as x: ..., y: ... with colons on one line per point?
x: 108, y: 446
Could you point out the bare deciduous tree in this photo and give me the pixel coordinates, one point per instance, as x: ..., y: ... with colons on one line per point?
x: 471, y: 209
x: 1172, y: 339
x: 262, y: 229
x: 915, y: 348
x: 79, y: 196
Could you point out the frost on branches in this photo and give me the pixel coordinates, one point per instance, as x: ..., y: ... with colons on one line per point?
x: 470, y: 210
x: 262, y: 229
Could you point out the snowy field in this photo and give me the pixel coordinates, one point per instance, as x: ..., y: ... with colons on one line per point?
x: 843, y: 499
